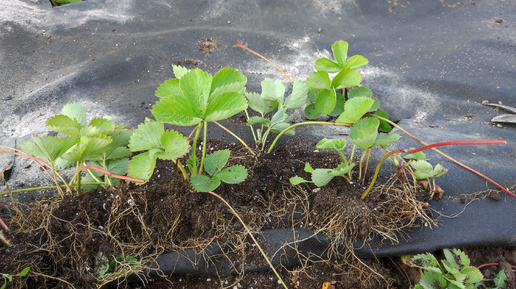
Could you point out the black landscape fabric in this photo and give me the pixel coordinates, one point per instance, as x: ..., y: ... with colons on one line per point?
x: 431, y: 64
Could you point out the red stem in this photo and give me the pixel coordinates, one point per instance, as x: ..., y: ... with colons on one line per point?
x: 493, y: 264
x: 111, y: 174
x: 451, y: 143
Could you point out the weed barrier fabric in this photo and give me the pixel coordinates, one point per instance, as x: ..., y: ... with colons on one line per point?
x: 431, y: 64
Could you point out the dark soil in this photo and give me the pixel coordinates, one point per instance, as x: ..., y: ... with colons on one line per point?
x: 67, y: 242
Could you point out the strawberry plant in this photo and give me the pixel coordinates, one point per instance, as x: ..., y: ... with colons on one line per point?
x: 194, y: 97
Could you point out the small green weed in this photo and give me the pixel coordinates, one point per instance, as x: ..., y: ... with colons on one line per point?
x: 9, y: 278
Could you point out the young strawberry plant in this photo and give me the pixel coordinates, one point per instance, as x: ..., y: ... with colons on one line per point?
x: 194, y: 97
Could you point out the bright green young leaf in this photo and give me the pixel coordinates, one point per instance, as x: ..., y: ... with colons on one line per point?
x: 355, y: 109
x: 179, y: 71
x: 415, y: 156
x: 64, y: 124
x: 280, y: 116
x: 364, y: 132
x: 356, y: 61
x: 233, y: 175
x: 342, y: 169
x: 260, y: 105
x: 169, y: 88
x: 340, y: 52
x: 75, y: 111
x: 318, y: 80
x: 214, y: 162
x: 499, y: 280
x: 298, y: 96
x: 104, y: 125
x: 297, y: 180
x: 325, y: 64
x: 175, y: 145
x: 142, y: 166
x: 346, y: 78
x: 273, y: 90
x: 308, y: 168
x: 331, y: 144
x: 321, y: 177
x: 202, y: 183
x: 423, y: 169
x: 311, y: 111
x: 49, y: 148
x: 147, y: 136
x: 225, y: 105
x: 228, y: 78
x: 87, y: 148
x: 326, y: 101
x: 176, y: 111
x: 196, y: 85
x: 258, y: 119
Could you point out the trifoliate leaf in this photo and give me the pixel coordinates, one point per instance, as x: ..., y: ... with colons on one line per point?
x: 325, y: 64
x: 225, y: 105
x: 49, y: 148
x: 423, y: 169
x: 321, y: 177
x: 326, y: 101
x: 202, y: 183
x: 346, y: 78
x: 356, y: 61
x: 147, y: 136
x: 179, y: 71
x: 364, y: 132
x: 297, y: 180
x: 318, y: 80
x: 75, y: 111
x: 175, y: 145
x: 311, y: 111
x: 214, y: 162
x: 169, y: 88
x: 233, y: 175
x: 298, y: 96
x: 273, y: 90
x: 331, y: 144
x: 340, y: 52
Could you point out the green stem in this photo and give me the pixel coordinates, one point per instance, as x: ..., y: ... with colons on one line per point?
x: 205, y: 140
x: 193, y: 172
x: 252, y: 129
x: 47, y: 187
x: 182, y: 169
x: 252, y: 237
x: 78, y: 173
x: 305, y: 123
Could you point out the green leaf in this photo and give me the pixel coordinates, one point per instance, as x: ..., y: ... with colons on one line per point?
x: 103, y: 126
x: 196, y: 85
x: 433, y: 280
x: 384, y: 126
x: 147, y: 136
x: 321, y: 177
x: 331, y: 144
x: 228, y: 78
x: 355, y: 109
x: 169, y: 88
x: 427, y: 262
x: 340, y: 52
x: 75, y: 111
x: 233, y: 175
x: 326, y: 101
x: 260, y: 105
x: 87, y: 148
x: 179, y: 71
x: 342, y: 169
x: 339, y: 105
x: 258, y: 119
x: 273, y: 90
x: 416, y: 156
x: 298, y: 96
x: 356, y: 61
x: 346, y: 78
x: 364, y: 132
x: 142, y: 166
x: 280, y: 116
x: 297, y: 180
x: 202, y: 183
x: 325, y: 64
x: 439, y: 170
x: 279, y: 127
x: 385, y: 139
x: 360, y: 91
x: 311, y: 111
x: 308, y: 168
x: 473, y: 275
x: 64, y: 124
x: 175, y: 145
x: 176, y: 111
x: 214, y: 162
x: 225, y: 105
x: 318, y: 80
x: 500, y: 279
x: 49, y: 148
x: 423, y: 169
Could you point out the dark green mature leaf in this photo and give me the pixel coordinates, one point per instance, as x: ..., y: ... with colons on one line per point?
x: 340, y: 52
x: 225, y: 105
x: 326, y: 101
x: 169, y: 88
x: 364, y: 132
x: 318, y: 80
x: 75, y: 111
x: 196, y: 85
x: 356, y: 61
x: 325, y: 64
x: 298, y: 96
x: 346, y: 78
x: 49, y: 148
x: 202, y: 183
x: 233, y: 175
x: 213, y: 163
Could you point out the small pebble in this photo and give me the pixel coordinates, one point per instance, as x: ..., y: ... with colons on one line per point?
x: 9, y: 97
